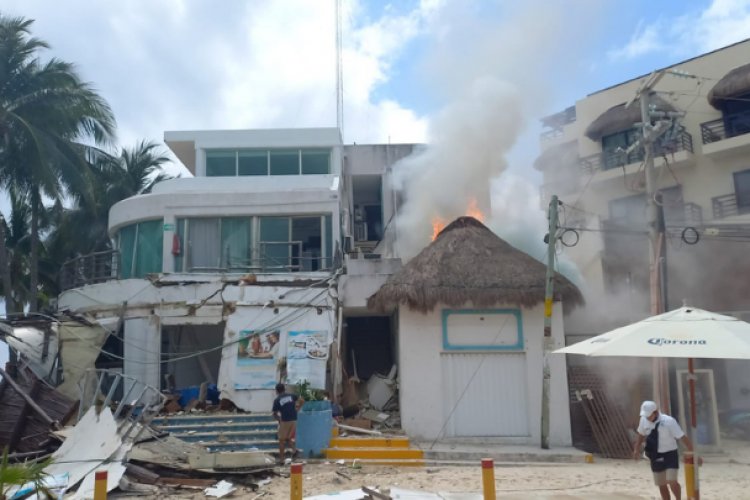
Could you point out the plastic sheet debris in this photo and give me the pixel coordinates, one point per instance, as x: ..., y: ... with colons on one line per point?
x: 222, y: 489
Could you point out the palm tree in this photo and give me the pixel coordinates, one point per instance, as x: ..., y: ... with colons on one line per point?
x: 47, y: 113
x: 83, y: 229
x: 14, y: 249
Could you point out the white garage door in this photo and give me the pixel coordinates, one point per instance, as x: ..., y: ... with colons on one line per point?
x: 485, y: 394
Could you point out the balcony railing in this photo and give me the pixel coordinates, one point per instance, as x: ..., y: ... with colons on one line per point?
x: 96, y: 267
x: 273, y: 257
x: 609, y: 159
x: 550, y: 134
x: 725, y: 127
x: 726, y: 206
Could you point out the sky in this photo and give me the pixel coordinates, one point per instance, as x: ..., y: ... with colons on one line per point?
x: 410, y: 69
x: 202, y: 64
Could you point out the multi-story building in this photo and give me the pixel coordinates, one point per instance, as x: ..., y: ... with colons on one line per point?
x: 248, y: 249
x: 593, y: 160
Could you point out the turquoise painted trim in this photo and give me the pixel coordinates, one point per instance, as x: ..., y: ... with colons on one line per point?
x: 518, y: 346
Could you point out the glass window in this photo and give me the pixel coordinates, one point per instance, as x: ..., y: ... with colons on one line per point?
x: 221, y: 164
x: 235, y: 243
x: 328, y: 264
x: 203, y: 252
x: 307, y: 243
x: 149, y: 247
x: 284, y: 162
x: 141, y: 247
x: 275, y: 250
x: 127, y: 251
x: 742, y: 190
x: 315, y: 162
x: 252, y: 163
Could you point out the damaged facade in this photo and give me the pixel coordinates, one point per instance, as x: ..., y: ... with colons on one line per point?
x: 259, y: 270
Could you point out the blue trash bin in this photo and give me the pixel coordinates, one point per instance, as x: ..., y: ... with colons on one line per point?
x: 314, y: 422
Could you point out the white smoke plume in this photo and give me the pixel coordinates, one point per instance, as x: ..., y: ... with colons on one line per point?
x: 470, y: 139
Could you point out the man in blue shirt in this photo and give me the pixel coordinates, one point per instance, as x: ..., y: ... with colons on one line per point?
x: 285, y: 408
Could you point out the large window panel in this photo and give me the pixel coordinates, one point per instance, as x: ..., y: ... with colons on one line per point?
x: 149, y: 248
x: 127, y: 251
x: 275, y: 250
x: 236, y: 242
x: 203, y: 252
x: 742, y: 190
x: 285, y: 162
x: 221, y: 163
x: 252, y: 163
x: 315, y: 161
x: 307, y: 231
x: 328, y: 264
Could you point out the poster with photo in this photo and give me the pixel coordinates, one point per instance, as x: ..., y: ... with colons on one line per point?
x: 257, y: 360
x: 307, y: 354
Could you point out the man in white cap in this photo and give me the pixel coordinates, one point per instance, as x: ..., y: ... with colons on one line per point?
x: 661, y: 434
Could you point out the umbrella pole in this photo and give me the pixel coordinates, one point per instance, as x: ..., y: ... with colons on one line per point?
x: 692, y: 481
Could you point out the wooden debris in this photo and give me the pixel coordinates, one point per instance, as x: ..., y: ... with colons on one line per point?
x: 141, y: 474
x: 374, y: 494
x: 344, y: 474
x: 186, y: 482
x: 359, y: 430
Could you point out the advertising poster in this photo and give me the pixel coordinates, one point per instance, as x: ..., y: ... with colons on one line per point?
x: 257, y: 359
x: 307, y: 353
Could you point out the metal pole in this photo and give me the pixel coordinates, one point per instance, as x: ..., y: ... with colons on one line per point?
x: 548, y: 342
x: 655, y: 240
x: 692, y: 480
x: 488, y: 479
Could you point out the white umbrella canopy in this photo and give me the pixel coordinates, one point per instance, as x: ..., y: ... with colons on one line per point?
x: 686, y: 332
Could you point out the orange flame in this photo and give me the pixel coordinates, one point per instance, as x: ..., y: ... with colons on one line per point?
x: 472, y: 210
x: 437, y: 225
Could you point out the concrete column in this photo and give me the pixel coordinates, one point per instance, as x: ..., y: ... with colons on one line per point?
x: 170, y: 221
x: 142, y: 352
x: 200, y: 162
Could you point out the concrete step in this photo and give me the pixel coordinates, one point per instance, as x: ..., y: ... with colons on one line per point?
x: 240, y: 445
x: 501, y: 453
x: 222, y: 436
x: 208, y: 418
x: 374, y: 453
x: 385, y: 442
x: 390, y: 462
x: 238, y: 427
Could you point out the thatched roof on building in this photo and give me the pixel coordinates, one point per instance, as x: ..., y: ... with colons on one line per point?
x: 468, y: 263
x: 558, y: 156
x: 619, y: 118
x: 733, y: 84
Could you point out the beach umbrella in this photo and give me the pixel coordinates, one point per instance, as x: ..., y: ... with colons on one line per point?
x: 686, y: 332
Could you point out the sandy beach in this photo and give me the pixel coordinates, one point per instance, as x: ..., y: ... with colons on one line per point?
x: 604, y: 479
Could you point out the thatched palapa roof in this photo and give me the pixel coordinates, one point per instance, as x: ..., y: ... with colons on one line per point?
x: 468, y: 263
x: 733, y: 84
x: 619, y: 118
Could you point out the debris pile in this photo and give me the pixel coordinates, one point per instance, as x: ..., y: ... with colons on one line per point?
x: 111, y: 424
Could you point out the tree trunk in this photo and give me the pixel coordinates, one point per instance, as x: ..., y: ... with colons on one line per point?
x: 34, y: 258
x: 10, y: 303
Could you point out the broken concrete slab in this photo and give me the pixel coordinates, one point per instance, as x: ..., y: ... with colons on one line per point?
x: 229, y: 460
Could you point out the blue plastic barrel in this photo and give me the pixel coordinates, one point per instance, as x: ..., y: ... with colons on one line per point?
x: 314, y: 422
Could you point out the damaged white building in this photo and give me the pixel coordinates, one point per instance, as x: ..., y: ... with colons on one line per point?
x: 234, y: 276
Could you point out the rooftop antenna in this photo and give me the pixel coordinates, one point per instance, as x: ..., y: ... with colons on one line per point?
x: 339, y: 71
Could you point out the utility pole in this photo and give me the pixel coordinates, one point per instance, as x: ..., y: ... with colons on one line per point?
x: 548, y: 342
x: 655, y: 230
